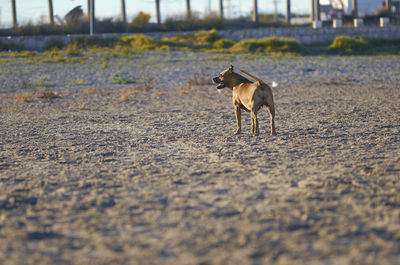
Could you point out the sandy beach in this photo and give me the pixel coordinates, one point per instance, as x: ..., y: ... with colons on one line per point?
x: 135, y: 162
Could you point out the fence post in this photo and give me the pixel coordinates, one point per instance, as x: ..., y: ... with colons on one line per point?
x: 158, y: 11
x: 123, y: 13
x: 188, y: 12
x: 14, y: 13
x: 221, y: 8
x: 92, y: 18
x: 51, y: 16
x: 312, y: 13
x: 288, y: 12
x: 317, y: 13
x: 354, y: 8
x: 255, y: 11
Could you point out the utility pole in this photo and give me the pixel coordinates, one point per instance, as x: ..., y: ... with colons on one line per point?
x: 14, y: 13
x: 317, y: 13
x: 188, y: 12
x: 158, y: 12
x: 51, y: 16
x: 123, y: 13
x: 221, y: 8
x: 275, y: 9
x: 355, y: 8
x: 255, y: 11
x: 288, y: 12
x: 312, y: 13
x: 92, y: 18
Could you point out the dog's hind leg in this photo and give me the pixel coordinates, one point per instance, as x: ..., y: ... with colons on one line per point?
x: 271, y: 111
x: 238, y: 115
x: 254, y: 122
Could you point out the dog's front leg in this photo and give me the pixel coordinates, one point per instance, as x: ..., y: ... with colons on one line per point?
x: 238, y: 115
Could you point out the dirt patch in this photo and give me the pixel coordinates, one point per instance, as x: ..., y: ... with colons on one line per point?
x: 159, y: 178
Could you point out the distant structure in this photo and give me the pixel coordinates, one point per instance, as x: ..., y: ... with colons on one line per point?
x: 74, y: 15
x: 59, y: 20
x: 367, y: 7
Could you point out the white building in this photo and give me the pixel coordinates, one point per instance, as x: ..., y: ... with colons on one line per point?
x: 365, y: 7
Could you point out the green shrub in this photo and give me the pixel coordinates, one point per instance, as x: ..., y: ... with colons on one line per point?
x: 87, y: 42
x: 247, y: 46
x: 141, y: 20
x: 139, y: 42
x: 24, y: 54
x: 275, y: 44
x: 73, y: 49
x: 223, y: 44
x: 201, y: 39
x: 267, y: 45
x: 205, y: 37
x: 52, y: 52
x: 345, y: 44
x: 120, y: 80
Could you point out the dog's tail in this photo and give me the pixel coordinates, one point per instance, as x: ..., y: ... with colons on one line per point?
x: 254, y: 77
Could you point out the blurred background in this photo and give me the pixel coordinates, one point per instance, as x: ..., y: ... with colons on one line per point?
x: 137, y: 14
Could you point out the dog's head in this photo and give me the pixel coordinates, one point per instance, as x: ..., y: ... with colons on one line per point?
x: 224, y: 79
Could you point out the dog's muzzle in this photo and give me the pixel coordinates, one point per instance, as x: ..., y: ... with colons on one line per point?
x: 218, y: 81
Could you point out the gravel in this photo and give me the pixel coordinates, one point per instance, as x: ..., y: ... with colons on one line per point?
x: 149, y: 172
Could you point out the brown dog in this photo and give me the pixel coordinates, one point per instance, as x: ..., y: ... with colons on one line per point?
x: 248, y: 96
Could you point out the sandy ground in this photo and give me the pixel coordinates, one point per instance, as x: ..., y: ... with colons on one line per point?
x: 151, y: 173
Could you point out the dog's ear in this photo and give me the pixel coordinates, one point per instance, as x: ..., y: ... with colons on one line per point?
x: 231, y: 68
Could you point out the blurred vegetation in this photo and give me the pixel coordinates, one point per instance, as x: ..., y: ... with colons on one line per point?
x: 349, y: 45
x: 267, y: 45
x: 79, y: 50
x: 141, y: 23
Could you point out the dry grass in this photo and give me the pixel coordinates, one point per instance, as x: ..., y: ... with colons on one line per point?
x: 184, y: 90
x: 338, y: 81
x: 91, y: 90
x: 200, y: 95
x: 145, y: 83
x: 108, y: 92
x: 25, y: 84
x: 199, y: 80
x: 128, y: 93
x: 47, y: 94
x: 158, y: 94
x: 23, y: 97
